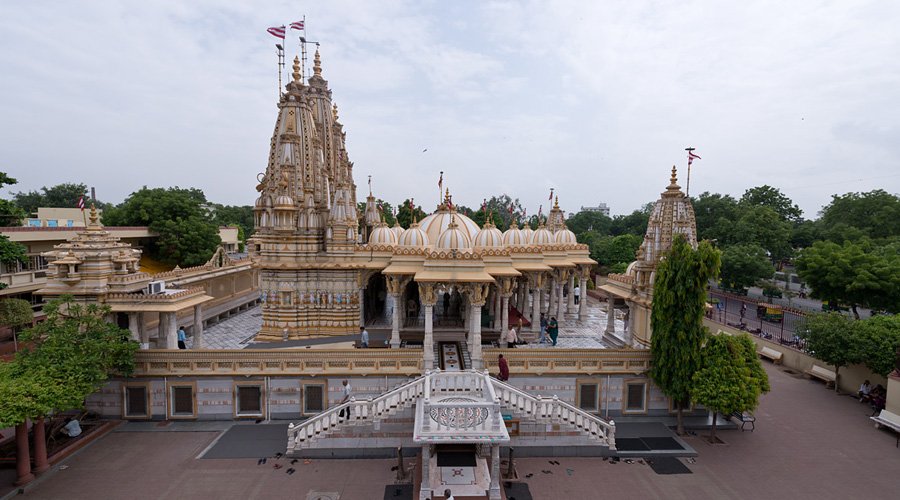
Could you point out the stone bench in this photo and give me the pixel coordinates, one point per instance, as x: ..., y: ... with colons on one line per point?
x: 824, y: 374
x: 889, y: 420
x: 772, y: 354
x: 745, y: 418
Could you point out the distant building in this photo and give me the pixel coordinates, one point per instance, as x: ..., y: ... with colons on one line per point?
x: 58, y: 217
x: 601, y: 207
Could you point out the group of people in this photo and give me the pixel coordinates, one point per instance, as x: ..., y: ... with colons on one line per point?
x: 875, y: 396
x: 549, y: 333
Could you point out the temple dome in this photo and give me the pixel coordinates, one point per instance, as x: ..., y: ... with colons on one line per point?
x: 541, y: 237
x: 454, y: 238
x: 284, y: 201
x: 527, y: 232
x: 382, y: 235
x: 397, y: 229
x: 488, y: 237
x: 565, y: 236
x: 514, y: 237
x: 435, y: 224
x: 413, y: 237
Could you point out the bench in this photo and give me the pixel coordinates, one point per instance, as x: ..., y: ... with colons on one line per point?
x: 821, y: 373
x: 889, y: 420
x: 772, y: 354
x: 745, y: 418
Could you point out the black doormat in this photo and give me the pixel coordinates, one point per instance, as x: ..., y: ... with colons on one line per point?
x: 661, y: 443
x: 668, y: 465
x: 398, y: 492
x: 455, y: 459
x: 517, y: 491
x: 631, y: 444
x: 250, y: 441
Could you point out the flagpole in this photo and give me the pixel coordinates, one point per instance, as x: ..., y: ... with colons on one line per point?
x: 687, y: 189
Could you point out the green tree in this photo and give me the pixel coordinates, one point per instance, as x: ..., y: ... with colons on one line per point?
x: 405, y: 213
x: 727, y: 382
x: 634, y: 223
x: 762, y: 226
x: 384, y: 208
x: 64, y: 195
x: 66, y: 357
x: 744, y: 265
x: 187, y: 235
x: 805, y: 233
x: 832, y: 338
x: 773, y: 198
x: 10, y: 214
x: 676, y: 319
x: 589, y: 221
x: 614, y: 253
x: 234, y: 215
x: 879, y: 338
x: 715, y: 214
x: 505, y: 209
x: 856, y: 274
x: 875, y: 214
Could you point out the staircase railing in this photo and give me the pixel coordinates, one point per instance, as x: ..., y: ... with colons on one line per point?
x: 554, y: 410
x: 355, y: 412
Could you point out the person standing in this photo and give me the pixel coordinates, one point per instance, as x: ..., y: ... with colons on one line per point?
x: 511, y: 338
x: 504, y: 369
x: 364, y: 337
x: 447, y: 494
x: 181, y: 338
x: 346, y: 390
x: 553, y: 329
x: 577, y: 294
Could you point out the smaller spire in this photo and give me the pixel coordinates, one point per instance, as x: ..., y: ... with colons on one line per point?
x: 297, y: 74
x: 317, y: 64
x: 556, y: 203
x: 674, y: 180
x: 95, y: 224
x: 334, y: 111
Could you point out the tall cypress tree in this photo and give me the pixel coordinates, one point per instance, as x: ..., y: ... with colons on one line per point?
x: 679, y: 301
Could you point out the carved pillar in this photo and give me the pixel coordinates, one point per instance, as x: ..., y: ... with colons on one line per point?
x: 583, y: 298
x: 198, y: 327
x: 536, y: 294
x: 494, y: 492
x: 507, y: 286
x: 393, y: 286
x: 144, y: 334
x: 428, y: 298
x: 522, y: 297
x: 362, y: 306
x: 552, y: 304
x: 171, y: 330
x: 498, y: 311
x: 23, y: 456
x: 40, y: 446
x: 479, y: 294
x: 425, y: 489
x: 570, y: 304
x: 629, y: 329
x: 133, y: 326
x: 610, y: 314
x: 560, y: 299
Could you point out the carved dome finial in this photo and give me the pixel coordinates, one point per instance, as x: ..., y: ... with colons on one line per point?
x: 317, y: 64
x: 297, y: 74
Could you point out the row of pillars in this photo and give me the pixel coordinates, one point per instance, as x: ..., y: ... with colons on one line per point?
x: 167, y: 331
x: 24, y: 474
x: 556, y: 301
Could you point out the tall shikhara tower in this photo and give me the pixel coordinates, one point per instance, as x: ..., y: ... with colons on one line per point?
x: 305, y: 218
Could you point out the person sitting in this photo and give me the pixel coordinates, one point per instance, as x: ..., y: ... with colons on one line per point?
x: 511, y: 338
x: 864, y: 391
x: 72, y: 428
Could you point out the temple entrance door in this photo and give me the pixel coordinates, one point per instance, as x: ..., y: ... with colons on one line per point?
x: 375, y: 300
x: 450, y: 308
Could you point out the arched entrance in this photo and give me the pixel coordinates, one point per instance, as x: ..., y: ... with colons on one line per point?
x: 375, y: 300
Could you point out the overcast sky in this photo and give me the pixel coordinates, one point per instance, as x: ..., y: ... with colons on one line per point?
x: 595, y: 99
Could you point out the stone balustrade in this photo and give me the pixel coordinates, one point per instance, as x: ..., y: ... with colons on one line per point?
x: 277, y: 362
x: 569, y: 361
x: 158, y: 298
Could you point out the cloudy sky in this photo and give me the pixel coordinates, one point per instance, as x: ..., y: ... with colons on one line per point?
x: 595, y: 99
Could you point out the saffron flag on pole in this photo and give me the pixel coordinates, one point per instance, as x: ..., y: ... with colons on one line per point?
x: 80, y: 203
x: 441, y: 181
x: 297, y: 25
x: 277, y: 31
x: 551, y: 195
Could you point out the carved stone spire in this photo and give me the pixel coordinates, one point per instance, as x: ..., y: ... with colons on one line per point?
x: 317, y: 64
x: 297, y: 74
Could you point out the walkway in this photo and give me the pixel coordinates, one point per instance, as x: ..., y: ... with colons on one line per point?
x: 808, y: 443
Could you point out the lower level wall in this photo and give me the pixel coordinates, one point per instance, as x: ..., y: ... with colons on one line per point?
x: 215, y: 398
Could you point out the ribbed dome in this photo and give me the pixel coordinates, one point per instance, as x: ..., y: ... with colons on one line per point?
x: 435, y: 224
x: 397, y: 229
x: 565, y: 237
x: 453, y: 238
x: 541, y: 237
x: 382, y: 235
x: 488, y: 237
x: 514, y: 237
x: 284, y: 201
x: 527, y: 232
x: 259, y: 202
x: 413, y: 237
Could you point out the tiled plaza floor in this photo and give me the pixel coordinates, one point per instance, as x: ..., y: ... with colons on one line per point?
x: 233, y: 333
x: 808, y: 443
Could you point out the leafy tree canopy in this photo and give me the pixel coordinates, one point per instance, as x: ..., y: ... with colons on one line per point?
x: 10, y: 214
x: 773, y: 198
x: 615, y: 252
x: 234, y: 215
x: 831, y: 338
x: 187, y: 236
x: 589, y: 221
x: 875, y: 214
x: 15, y: 312
x: 634, y: 223
x: 64, y: 195
x: 879, y: 338
x: 744, y: 265
x: 762, y: 226
x: 715, y: 214
x: 405, y: 213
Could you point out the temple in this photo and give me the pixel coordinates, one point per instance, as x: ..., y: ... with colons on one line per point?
x: 439, y: 293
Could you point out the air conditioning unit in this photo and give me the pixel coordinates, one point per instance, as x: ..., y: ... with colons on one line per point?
x: 155, y: 287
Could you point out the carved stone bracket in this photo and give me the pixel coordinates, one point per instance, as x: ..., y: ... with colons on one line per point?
x: 507, y: 287
x: 478, y: 293
x: 427, y: 294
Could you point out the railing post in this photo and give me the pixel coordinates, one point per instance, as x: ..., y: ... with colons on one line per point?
x: 611, y: 435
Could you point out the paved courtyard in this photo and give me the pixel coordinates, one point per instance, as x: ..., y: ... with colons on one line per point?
x: 808, y: 443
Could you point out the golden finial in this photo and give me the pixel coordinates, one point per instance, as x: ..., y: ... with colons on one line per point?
x: 556, y: 203
x: 674, y: 179
x: 95, y: 225
x: 317, y: 64
x: 297, y: 74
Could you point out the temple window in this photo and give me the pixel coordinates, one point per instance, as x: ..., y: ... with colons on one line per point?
x: 182, y: 400
x: 588, y: 395
x: 248, y: 400
x: 635, y: 397
x: 313, y: 398
x: 136, y: 400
